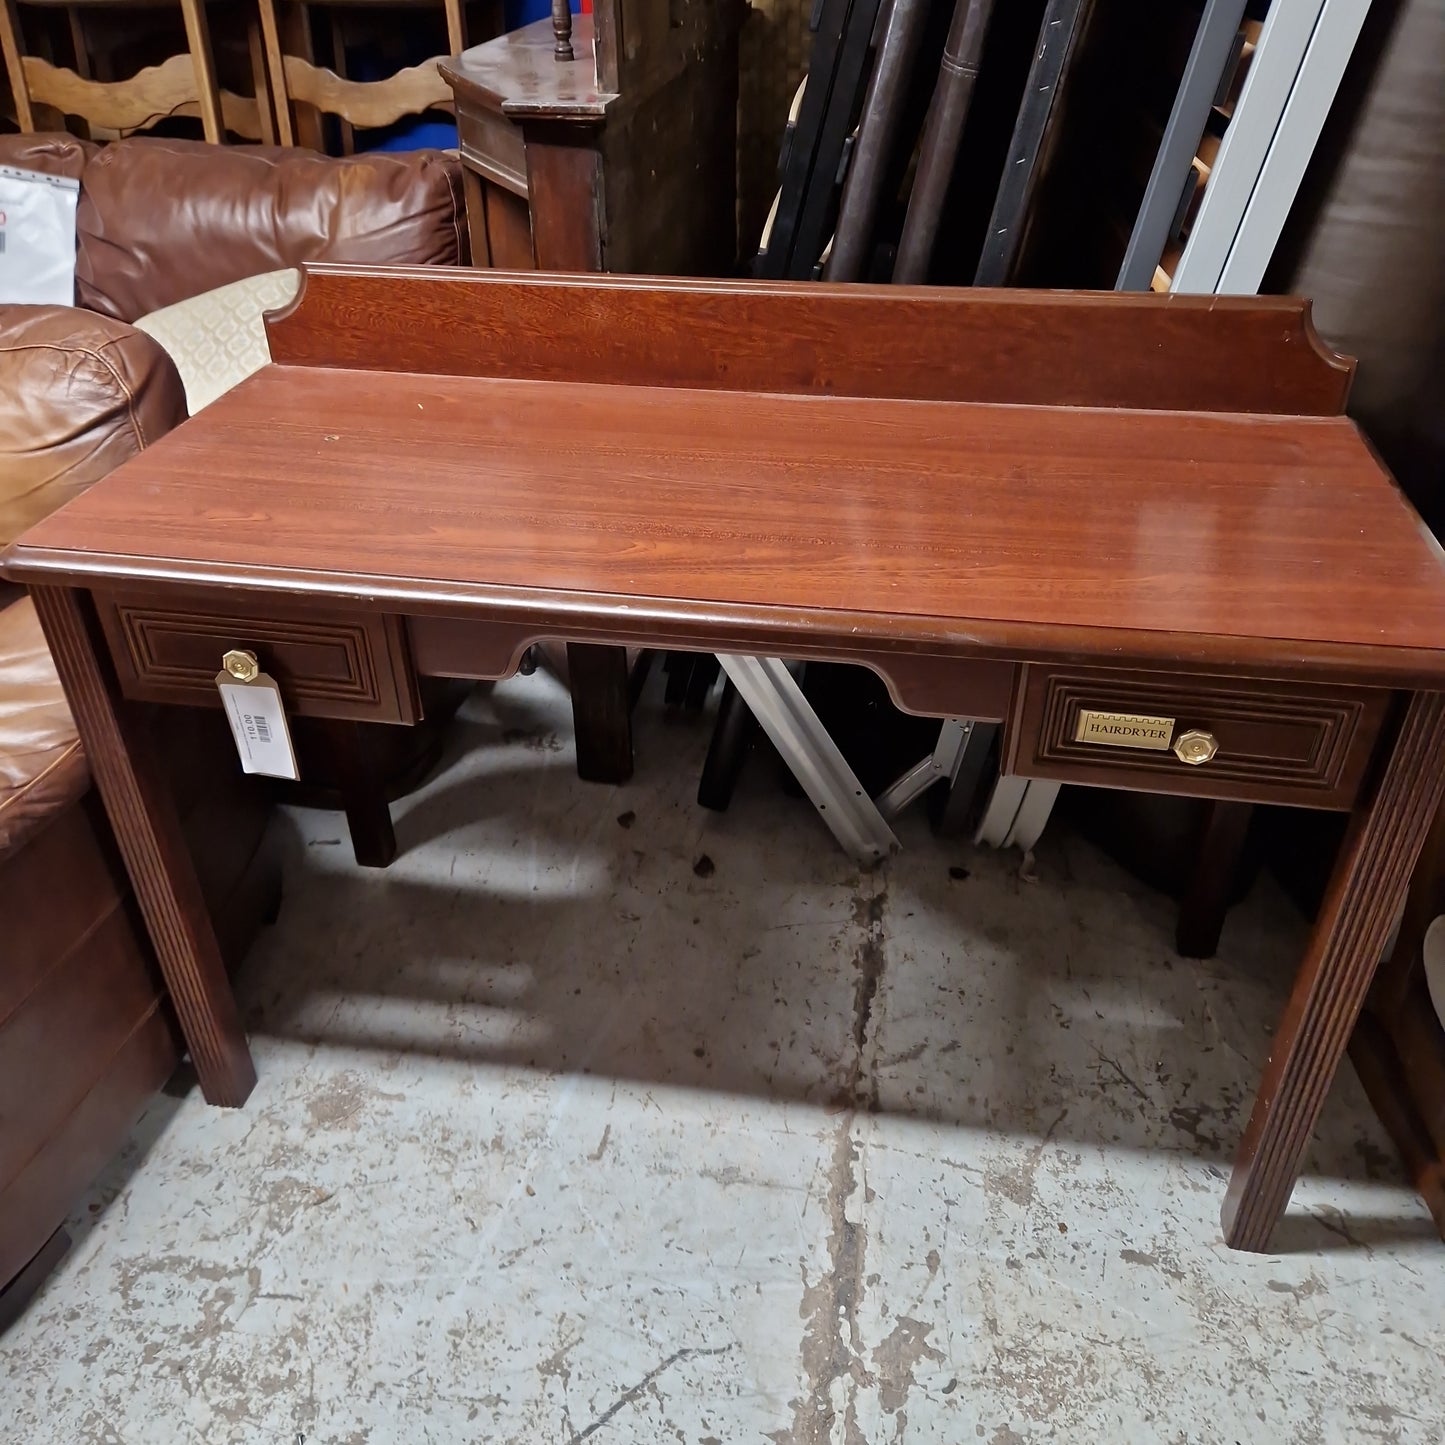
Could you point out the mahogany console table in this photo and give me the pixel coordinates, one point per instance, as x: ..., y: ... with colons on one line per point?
x: 1127, y: 527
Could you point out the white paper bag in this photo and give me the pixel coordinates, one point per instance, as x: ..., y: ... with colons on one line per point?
x: 37, y: 237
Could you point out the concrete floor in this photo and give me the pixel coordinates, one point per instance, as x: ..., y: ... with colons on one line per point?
x: 565, y: 1133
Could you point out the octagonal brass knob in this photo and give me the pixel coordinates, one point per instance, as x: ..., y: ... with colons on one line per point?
x: 241, y: 665
x: 1195, y: 746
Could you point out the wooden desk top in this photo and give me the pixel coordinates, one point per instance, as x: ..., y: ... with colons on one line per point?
x: 755, y: 467
x: 1259, y: 539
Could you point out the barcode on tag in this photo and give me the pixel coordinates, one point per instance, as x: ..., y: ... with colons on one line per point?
x: 258, y: 723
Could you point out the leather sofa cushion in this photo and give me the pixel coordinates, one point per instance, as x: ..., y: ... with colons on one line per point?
x: 79, y: 395
x: 163, y: 220
x: 42, y: 766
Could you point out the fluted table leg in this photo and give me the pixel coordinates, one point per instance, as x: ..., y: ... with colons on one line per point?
x: 148, y: 831
x: 1364, y: 899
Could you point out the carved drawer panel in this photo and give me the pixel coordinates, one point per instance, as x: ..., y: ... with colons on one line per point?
x: 1204, y: 736
x: 327, y: 664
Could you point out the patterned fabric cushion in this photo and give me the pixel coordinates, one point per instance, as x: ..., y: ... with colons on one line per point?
x: 217, y: 339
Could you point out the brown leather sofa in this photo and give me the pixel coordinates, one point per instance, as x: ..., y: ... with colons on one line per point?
x: 163, y: 220
x: 160, y: 221
x: 86, y: 1036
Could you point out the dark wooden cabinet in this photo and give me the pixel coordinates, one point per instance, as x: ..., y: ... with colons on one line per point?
x: 620, y: 159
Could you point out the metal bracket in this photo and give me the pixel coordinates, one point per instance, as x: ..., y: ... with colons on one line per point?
x: 943, y: 762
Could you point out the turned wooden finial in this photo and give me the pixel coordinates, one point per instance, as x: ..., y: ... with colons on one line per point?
x: 562, y: 29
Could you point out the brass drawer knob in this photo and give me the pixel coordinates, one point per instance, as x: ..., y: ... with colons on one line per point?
x: 1195, y: 746
x: 243, y: 665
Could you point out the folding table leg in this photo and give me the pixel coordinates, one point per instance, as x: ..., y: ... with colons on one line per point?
x: 776, y: 700
x: 943, y: 762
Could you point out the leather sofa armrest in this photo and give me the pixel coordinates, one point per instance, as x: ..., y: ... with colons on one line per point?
x: 79, y: 394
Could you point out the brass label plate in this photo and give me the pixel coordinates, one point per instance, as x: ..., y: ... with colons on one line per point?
x: 1124, y: 730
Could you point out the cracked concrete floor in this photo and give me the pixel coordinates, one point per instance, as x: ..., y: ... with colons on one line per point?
x: 562, y: 1135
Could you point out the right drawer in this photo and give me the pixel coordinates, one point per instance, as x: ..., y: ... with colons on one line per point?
x: 1257, y: 742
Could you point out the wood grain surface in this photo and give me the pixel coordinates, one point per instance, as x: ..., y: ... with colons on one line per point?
x: 366, y: 103
x: 564, y: 197
x: 162, y: 90
x: 1185, y: 353
x: 1021, y: 530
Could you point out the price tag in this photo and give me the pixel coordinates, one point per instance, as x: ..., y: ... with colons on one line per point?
x: 258, y: 721
x: 37, y: 237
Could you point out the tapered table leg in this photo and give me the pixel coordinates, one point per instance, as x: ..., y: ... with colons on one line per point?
x: 368, y: 816
x: 148, y: 831
x: 601, y: 711
x: 1364, y: 899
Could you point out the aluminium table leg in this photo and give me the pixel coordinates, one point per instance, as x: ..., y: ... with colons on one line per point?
x: 778, y: 703
x: 943, y: 763
x: 147, y: 829
x: 1366, y: 893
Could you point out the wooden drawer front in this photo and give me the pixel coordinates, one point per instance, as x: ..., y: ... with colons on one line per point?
x: 1278, y: 742
x: 327, y: 665
x: 493, y: 145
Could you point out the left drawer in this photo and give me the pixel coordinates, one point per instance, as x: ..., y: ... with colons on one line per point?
x: 328, y: 664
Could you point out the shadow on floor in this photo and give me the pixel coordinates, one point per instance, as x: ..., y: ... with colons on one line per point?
x: 537, y: 922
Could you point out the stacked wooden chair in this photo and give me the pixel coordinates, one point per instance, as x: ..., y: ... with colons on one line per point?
x: 306, y: 90
x: 85, y: 89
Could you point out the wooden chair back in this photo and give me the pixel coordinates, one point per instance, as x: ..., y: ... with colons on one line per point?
x: 182, y: 84
x: 305, y: 90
